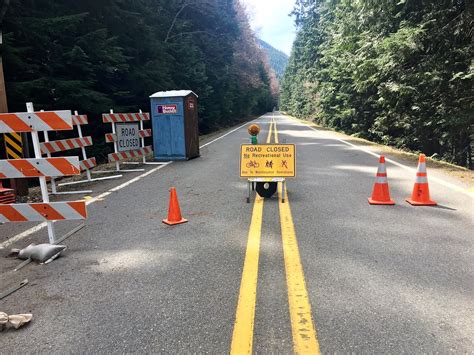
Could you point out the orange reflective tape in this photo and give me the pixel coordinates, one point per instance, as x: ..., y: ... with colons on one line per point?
x: 62, y: 146
x: 64, y: 166
x: 14, y: 122
x: 53, y: 120
x: 47, y: 211
x: 12, y: 214
x: 79, y: 207
x: 27, y: 169
x: 73, y: 142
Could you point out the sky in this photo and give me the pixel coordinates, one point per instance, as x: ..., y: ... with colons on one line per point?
x: 270, y: 21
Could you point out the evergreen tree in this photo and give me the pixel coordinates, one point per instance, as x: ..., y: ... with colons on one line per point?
x: 92, y: 56
x: 397, y: 72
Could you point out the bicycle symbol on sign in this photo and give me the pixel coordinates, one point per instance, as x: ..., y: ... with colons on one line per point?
x: 252, y: 164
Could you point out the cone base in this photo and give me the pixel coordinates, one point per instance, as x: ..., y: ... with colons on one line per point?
x: 418, y: 203
x: 173, y: 223
x: 375, y: 202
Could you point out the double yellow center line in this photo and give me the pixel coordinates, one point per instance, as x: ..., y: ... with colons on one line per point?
x: 303, y: 330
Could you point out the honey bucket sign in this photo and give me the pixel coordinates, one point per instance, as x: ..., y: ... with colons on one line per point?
x: 267, y: 160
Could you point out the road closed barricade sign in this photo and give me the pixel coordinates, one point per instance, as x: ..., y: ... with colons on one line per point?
x: 267, y: 160
x: 128, y: 137
x: 41, y: 168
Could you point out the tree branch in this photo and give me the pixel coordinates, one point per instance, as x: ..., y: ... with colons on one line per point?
x: 189, y: 33
x: 185, y: 5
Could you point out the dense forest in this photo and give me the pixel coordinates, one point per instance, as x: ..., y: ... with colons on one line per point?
x: 95, y: 55
x: 396, y: 72
x: 278, y: 60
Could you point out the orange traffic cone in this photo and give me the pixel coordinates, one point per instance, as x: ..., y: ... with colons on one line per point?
x: 421, y: 190
x: 381, y: 192
x: 174, y: 212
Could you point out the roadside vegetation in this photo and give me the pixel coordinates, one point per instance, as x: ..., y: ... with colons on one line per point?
x: 92, y: 56
x: 395, y: 72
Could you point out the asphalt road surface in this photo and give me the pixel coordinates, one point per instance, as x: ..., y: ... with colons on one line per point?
x: 324, y: 271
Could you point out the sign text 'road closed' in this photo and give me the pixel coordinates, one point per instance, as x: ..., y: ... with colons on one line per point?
x: 127, y: 136
x: 267, y: 160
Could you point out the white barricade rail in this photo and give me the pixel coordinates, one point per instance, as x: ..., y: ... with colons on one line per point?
x: 40, y: 167
x: 121, y: 153
x: 145, y: 133
x: 87, y: 164
x: 113, y: 157
x: 26, y: 168
x: 125, y: 117
x: 65, y: 144
x: 40, y: 212
x: 79, y: 120
x: 35, y: 121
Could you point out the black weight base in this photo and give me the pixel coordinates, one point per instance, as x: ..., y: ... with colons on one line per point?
x: 266, y: 189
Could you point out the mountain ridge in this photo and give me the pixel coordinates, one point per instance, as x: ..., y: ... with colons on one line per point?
x: 278, y: 60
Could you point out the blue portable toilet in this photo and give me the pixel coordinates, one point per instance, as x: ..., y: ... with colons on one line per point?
x: 175, y: 125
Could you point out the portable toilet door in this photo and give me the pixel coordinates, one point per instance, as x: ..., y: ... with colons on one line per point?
x: 191, y: 125
x: 175, y: 125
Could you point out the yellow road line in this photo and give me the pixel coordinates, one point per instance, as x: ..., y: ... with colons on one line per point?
x: 276, y: 131
x: 269, y: 136
x: 305, y: 340
x: 242, y: 337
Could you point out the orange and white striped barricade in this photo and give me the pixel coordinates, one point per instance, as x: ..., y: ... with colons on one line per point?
x: 145, y: 133
x: 39, y: 167
x: 127, y: 136
x: 86, y: 164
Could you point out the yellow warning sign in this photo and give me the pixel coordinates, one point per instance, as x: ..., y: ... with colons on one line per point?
x: 267, y: 160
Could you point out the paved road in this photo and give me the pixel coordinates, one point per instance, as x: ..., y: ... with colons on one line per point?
x: 363, y: 279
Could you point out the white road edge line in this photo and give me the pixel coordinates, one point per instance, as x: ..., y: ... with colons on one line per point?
x: 413, y: 170
x: 225, y: 135
x: 42, y: 225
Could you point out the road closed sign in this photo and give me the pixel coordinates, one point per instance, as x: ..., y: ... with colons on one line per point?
x: 128, y: 137
x: 267, y: 160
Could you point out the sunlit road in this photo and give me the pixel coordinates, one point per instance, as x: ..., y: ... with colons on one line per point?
x: 323, y: 272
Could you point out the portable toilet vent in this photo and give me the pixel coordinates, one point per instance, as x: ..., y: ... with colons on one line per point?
x: 175, y: 125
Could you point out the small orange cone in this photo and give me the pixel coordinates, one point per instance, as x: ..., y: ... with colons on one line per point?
x: 421, y: 190
x: 381, y: 191
x: 174, y: 212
